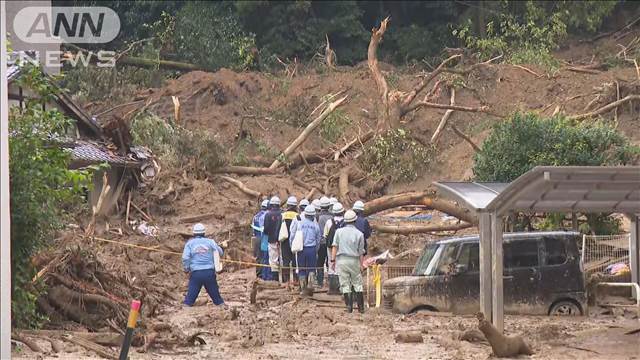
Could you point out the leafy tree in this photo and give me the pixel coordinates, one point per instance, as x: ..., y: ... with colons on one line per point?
x: 43, y: 189
x: 209, y: 34
x: 527, y: 32
x: 298, y: 28
x: 526, y: 140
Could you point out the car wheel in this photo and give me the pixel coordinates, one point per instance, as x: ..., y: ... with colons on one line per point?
x: 565, y: 308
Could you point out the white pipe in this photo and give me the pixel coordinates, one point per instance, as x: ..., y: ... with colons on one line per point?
x: 5, y: 218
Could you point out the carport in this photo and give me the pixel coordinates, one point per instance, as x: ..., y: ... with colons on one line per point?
x: 585, y: 189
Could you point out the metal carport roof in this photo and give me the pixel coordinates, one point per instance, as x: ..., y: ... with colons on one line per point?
x: 549, y: 188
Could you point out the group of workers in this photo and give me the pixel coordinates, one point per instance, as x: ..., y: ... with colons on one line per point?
x: 317, y: 236
x: 294, y: 246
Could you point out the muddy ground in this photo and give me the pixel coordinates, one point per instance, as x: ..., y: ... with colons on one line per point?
x: 289, y: 327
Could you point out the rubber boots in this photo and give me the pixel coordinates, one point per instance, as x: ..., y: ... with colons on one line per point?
x: 348, y: 300
x: 303, y: 285
x: 360, y: 300
x: 320, y: 278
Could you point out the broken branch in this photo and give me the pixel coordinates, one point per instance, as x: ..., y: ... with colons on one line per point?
x: 244, y: 170
x: 605, y: 108
x: 241, y: 186
x: 307, y: 131
x: 444, y: 106
x: 465, y: 138
x: 445, y: 117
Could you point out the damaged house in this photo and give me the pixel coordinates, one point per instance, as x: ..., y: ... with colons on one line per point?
x: 89, y: 143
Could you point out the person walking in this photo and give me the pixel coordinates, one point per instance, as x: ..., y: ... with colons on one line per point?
x: 323, y: 216
x: 256, y: 241
x: 307, y: 257
x: 347, y: 254
x: 288, y: 260
x: 362, y: 223
x: 198, y: 262
x: 272, y: 223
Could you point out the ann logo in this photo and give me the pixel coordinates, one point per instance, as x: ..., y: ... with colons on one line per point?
x: 40, y: 24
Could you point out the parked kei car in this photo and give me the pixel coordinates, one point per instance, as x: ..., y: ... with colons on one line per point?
x: 542, y: 275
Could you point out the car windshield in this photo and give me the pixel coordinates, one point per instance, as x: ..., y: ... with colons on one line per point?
x: 427, y: 260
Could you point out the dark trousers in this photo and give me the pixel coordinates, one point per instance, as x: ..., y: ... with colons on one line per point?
x: 322, y: 259
x: 265, y: 271
x: 288, y: 261
x: 197, y: 279
x: 307, y: 261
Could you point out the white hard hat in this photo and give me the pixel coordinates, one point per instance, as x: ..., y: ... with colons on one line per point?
x: 358, y: 205
x: 333, y: 200
x: 337, y: 208
x: 198, y: 229
x: 350, y: 216
x: 324, y: 202
x: 264, y: 204
x: 274, y: 201
x: 304, y: 202
x: 316, y: 203
x: 292, y: 201
x: 310, y: 210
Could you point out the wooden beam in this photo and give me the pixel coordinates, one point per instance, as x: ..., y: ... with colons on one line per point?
x: 497, y: 272
x: 485, y: 265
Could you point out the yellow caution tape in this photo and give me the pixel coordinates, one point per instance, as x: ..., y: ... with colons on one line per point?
x: 224, y: 260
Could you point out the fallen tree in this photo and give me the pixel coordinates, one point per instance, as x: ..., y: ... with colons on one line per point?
x: 241, y: 186
x: 408, y: 229
x: 424, y: 198
x: 244, y: 170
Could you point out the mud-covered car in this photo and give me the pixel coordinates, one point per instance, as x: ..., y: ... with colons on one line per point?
x: 542, y: 275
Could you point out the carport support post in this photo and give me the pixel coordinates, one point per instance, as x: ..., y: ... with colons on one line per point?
x: 634, y: 250
x: 485, y: 264
x: 497, y: 271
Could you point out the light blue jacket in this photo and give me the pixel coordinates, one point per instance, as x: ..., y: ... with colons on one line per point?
x: 310, y: 232
x: 198, y: 254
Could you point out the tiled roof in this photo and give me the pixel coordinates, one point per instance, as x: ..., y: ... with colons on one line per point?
x: 94, y: 153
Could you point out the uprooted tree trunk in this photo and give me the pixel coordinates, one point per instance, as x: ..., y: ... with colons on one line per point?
x: 397, y: 104
x: 423, y: 198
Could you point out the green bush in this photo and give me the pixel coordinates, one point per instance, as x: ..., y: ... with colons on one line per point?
x: 526, y: 140
x: 43, y: 190
x: 177, y: 146
x: 395, y: 156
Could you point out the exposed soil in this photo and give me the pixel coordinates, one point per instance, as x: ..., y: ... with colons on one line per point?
x: 271, y: 110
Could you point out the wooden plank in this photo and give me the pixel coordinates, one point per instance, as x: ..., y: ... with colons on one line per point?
x: 486, y: 305
x: 497, y: 272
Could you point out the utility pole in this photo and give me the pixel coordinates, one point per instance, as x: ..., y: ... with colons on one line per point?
x: 5, y: 218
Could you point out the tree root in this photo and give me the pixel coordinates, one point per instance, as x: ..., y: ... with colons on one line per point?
x: 503, y: 346
x: 30, y: 343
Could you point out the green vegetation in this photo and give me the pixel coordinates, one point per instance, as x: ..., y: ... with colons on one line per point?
x: 43, y: 190
x: 396, y: 156
x: 526, y: 140
x: 250, y: 34
x: 177, y: 146
x: 334, y: 126
x: 527, y: 32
